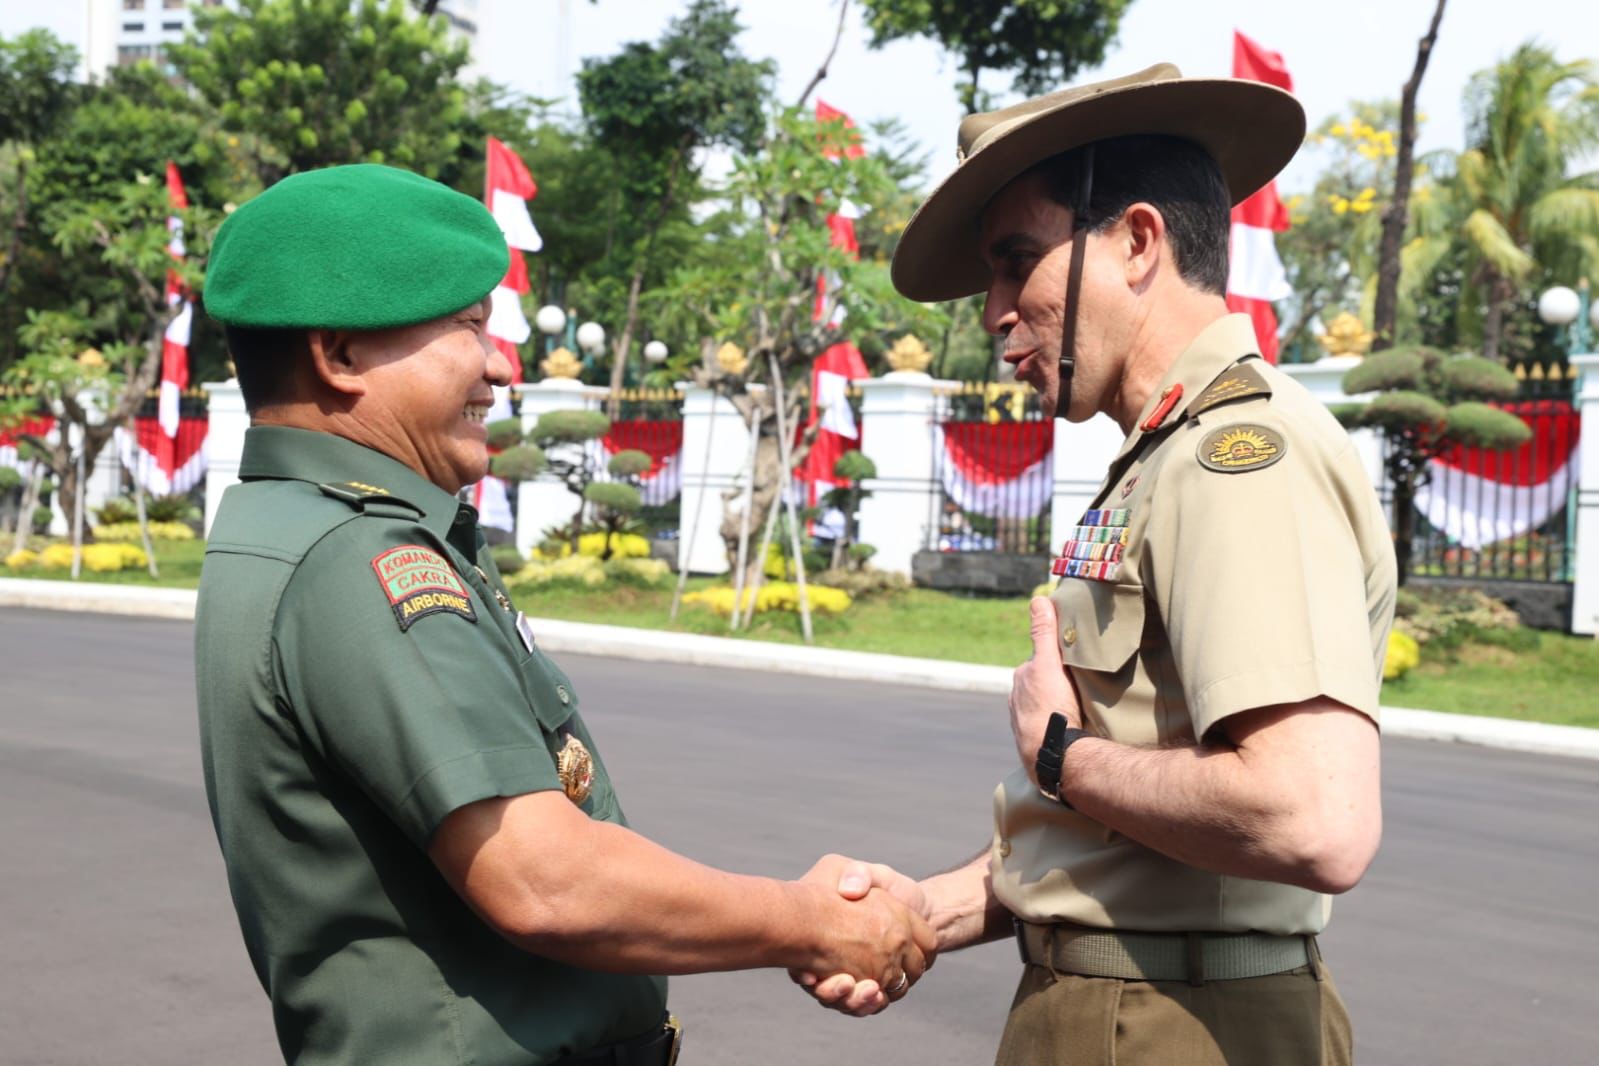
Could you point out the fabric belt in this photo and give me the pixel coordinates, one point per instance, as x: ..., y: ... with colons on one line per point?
x: 1191, y: 957
x: 658, y: 1047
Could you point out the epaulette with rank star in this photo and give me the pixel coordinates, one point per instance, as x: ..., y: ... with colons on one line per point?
x: 1235, y: 383
x: 372, y: 499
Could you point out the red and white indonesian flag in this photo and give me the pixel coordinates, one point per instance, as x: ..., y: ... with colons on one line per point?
x: 841, y: 363
x: 1256, y: 277
x: 175, y: 343
x: 507, y: 187
x: 997, y: 469
x: 1478, y: 497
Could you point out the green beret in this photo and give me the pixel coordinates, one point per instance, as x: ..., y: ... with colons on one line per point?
x: 353, y: 247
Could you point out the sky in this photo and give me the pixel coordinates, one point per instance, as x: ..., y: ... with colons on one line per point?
x: 1336, y: 52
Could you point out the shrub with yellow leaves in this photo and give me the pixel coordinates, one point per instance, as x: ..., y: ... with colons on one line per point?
x: 774, y: 596
x: 129, y: 531
x: 592, y: 545
x: 101, y: 558
x: 21, y: 560
x: 1403, y: 655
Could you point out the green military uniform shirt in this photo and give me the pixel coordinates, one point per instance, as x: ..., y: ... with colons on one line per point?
x: 359, y: 679
x: 1235, y: 557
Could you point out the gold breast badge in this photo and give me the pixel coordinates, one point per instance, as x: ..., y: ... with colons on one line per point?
x: 576, y: 767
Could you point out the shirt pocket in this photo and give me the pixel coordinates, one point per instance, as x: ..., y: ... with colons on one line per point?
x: 549, y: 690
x: 1100, y: 623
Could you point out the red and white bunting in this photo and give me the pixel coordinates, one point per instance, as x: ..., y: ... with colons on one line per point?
x: 662, y: 441
x: 164, y: 465
x: 841, y: 363
x: 1478, y: 497
x: 999, y: 469
x: 33, y: 427
x: 1256, y: 277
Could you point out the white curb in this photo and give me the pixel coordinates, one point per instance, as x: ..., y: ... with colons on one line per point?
x: 690, y: 649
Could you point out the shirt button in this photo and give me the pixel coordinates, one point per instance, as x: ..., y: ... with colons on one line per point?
x: 1070, y: 636
x: 566, y: 697
x: 1004, y: 849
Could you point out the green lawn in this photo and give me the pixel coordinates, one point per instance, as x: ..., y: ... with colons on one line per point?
x: 930, y: 625
x: 1554, y: 683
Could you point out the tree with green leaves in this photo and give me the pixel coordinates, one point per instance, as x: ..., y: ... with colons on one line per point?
x: 653, y: 108
x: 36, y: 94
x: 1530, y: 120
x: 756, y: 289
x: 1426, y: 404
x: 1042, y: 43
x: 300, y: 84
x: 559, y: 443
x: 92, y: 365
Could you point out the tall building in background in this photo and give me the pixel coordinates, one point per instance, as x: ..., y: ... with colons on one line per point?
x: 119, y: 32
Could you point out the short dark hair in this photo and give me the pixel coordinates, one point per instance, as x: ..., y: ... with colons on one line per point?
x: 1175, y: 175
x: 263, y: 360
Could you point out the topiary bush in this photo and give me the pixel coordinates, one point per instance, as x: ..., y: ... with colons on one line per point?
x: 521, y: 463
x: 507, y: 559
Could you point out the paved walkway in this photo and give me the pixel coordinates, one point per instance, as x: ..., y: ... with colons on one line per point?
x: 690, y: 649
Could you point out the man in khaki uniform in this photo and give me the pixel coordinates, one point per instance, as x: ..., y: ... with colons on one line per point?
x: 1197, y: 727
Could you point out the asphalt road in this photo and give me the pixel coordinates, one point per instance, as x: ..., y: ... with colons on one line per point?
x: 1474, y: 940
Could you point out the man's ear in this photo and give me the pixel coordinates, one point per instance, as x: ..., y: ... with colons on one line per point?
x: 1146, y: 243
x: 333, y: 361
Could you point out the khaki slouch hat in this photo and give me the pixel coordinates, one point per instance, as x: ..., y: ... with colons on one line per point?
x: 1249, y: 128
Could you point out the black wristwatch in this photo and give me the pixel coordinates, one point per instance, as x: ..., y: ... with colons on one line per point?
x: 1058, y: 736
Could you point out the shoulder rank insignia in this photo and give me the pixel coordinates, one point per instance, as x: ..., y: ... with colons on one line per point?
x: 576, y: 767
x: 418, y: 582
x: 1241, y: 446
x: 1235, y: 383
x: 360, y: 495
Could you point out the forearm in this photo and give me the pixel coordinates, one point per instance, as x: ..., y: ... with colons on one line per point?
x: 1276, y: 808
x: 556, y: 883
x: 961, y: 906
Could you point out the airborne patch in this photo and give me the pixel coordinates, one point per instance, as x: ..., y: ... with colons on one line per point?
x: 1239, y: 447
x: 419, y: 581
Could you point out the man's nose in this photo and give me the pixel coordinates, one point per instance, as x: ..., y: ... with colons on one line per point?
x: 999, y: 314
x: 497, y: 366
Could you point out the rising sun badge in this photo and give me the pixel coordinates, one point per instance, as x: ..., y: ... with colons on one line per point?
x: 1239, y: 447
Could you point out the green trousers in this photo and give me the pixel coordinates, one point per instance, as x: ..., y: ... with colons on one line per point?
x: 1287, y: 1019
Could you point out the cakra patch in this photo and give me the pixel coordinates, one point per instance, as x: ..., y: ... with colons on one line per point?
x: 418, y: 582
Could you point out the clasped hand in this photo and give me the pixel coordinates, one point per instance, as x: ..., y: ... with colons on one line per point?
x: 888, y: 967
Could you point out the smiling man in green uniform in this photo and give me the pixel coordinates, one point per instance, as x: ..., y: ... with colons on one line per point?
x: 1197, y: 727
x: 423, y: 845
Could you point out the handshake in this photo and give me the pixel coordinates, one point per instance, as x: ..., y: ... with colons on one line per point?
x: 883, y: 946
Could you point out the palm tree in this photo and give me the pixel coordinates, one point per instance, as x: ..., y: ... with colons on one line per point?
x: 1528, y: 120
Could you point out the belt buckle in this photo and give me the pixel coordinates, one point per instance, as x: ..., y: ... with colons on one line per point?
x: 675, y: 1027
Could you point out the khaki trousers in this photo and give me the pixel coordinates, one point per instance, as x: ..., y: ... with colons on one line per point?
x: 1286, y: 1019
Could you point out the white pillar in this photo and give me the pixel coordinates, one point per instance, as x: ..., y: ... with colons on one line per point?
x: 897, y: 413
x: 716, y: 444
x: 546, y: 501
x: 1325, y: 381
x: 226, y: 421
x: 1083, y: 454
x: 1585, y: 589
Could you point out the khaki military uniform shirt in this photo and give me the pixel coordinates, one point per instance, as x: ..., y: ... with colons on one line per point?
x: 1235, y: 557
x: 359, y: 679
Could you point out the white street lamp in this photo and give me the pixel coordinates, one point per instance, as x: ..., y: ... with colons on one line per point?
x: 550, y: 320
x: 590, y: 337
x: 655, y: 352
x: 1560, y: 306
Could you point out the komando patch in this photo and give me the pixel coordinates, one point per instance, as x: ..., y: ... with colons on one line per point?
x: 418, y: 582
